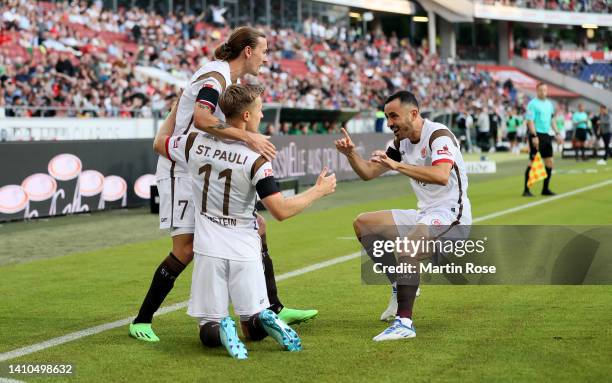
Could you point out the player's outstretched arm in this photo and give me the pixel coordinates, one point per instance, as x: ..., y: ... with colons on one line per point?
x: 367, y: 170
x: 436, y: 174
x: 204, y: 120
x: 282, y: 208
x: 166, y: 129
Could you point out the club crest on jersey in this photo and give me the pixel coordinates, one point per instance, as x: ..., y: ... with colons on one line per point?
x: 444, y: 151
x: 267, y: 172
x: 423, y: 153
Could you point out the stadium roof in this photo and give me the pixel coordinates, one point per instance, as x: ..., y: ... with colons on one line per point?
x: 466, y: 11
x: 404, y: 7
x: 500, y: 12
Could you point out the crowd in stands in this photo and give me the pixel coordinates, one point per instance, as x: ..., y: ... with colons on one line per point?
x: 597, y: 74
x: 83, y: 58
x: 594, y: 6
x: 78, y: 59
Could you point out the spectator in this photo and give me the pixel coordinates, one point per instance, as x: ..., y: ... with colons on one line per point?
x: 484, y: 129
x: 284, y: 129
x: 269, y: 131
x: 91, y: 66
x: 581, y: 125
x: 604, y: 131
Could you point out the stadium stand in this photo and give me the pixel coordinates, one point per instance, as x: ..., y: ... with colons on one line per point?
x: 84, y: 58
x: 596, y: 6
x: 598, y: 74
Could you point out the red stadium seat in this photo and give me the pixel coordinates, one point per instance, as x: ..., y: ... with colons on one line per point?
x: 294, y: 67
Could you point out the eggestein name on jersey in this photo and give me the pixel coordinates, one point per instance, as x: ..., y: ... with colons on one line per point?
x: 223, y: 221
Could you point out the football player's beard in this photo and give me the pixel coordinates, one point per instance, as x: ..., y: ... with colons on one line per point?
x: 397, y: 132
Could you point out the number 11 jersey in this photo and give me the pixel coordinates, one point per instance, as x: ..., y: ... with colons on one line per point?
x: 224, y: 175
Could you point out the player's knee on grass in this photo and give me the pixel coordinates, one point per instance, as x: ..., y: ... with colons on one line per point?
x: 209, y: 334
x: 252, y: 328
x: 261, y: 224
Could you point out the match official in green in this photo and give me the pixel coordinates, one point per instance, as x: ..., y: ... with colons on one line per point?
x: 580, y: 119
x: 539, y: 117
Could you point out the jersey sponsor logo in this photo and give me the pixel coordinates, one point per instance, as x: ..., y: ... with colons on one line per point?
x: 436, y: 222
x: 176, y: 142
x: 423, y: 153
x: 164, y: 220
x: 267, y: 172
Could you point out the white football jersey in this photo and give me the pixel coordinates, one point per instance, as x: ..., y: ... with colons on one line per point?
x: 223, y: 179
x: 433, y: 148
x: 186, y: 105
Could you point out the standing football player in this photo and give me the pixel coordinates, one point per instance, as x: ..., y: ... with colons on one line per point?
x: 225, y: 175
x: 428, y: 153
x: 244, y: 53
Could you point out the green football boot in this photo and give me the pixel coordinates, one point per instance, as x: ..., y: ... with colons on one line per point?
x: 143, y: 331
x: 293, y: 316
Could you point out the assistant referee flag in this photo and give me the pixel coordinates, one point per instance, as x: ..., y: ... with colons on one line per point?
x: 537, y: 171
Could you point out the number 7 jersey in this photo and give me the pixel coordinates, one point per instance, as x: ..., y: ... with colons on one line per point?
x: 224, y: 175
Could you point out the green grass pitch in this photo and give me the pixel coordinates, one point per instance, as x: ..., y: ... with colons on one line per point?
x: 67, y: 274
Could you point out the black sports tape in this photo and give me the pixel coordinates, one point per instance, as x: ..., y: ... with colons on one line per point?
x: 266, y: 187
x: 209, y: 96
x: 394, y: 154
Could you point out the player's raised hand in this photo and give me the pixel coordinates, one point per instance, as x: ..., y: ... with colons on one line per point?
x: 380, y: 157
x: 262, y: 145
x: 345, y: 145
x: 326, y: 183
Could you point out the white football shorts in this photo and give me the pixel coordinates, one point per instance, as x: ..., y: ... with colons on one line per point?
x: 405, y: 220
x: 176, y: 209
x: 217, y: 282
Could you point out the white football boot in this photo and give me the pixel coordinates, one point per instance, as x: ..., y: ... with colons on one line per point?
x: 389, y: 314
x: 401, y: 328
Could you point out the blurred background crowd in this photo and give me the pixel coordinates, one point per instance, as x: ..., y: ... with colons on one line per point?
x: 79, y: 59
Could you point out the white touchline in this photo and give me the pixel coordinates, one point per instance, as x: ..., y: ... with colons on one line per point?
x: 529, y: 205
x: 7, y: 380
x: 164, y: 310
x: 541, y: 202
x: 167, y: 309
